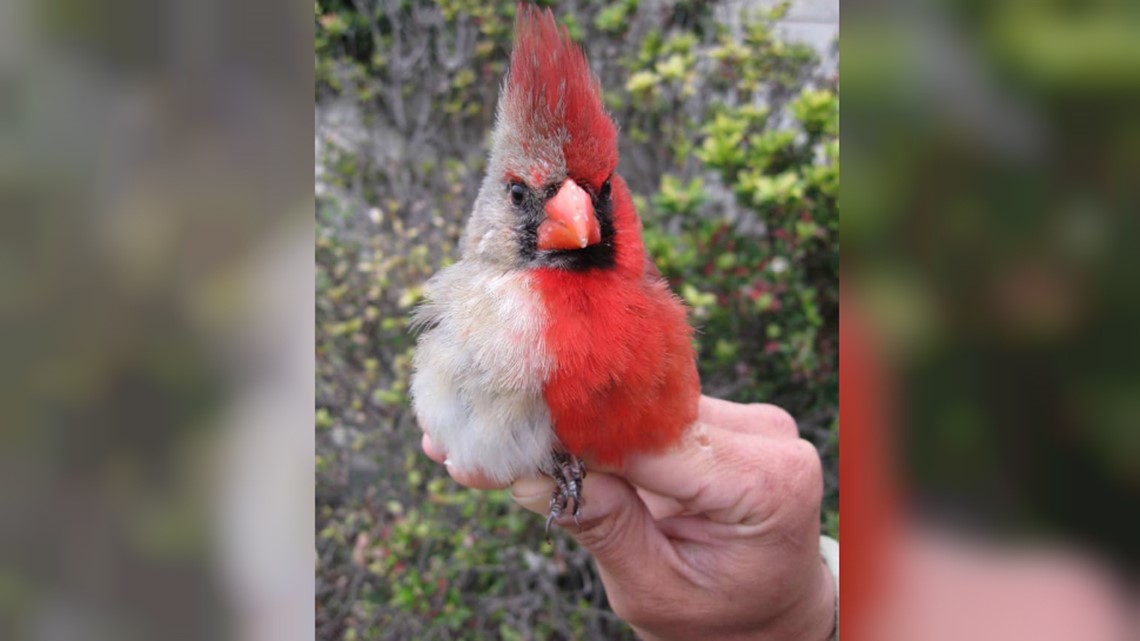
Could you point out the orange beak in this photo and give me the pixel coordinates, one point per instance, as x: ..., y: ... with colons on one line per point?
x: 570, y: 221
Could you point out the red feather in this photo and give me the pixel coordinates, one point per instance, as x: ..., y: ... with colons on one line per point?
x: 626, y: 379
x: 551, y: 89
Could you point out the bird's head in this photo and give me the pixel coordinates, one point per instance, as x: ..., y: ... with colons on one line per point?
x: 548, y: 197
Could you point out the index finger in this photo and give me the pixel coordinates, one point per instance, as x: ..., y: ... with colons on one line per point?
x: 720, y: 457
x: 469, y: 478
x: 753, y: 418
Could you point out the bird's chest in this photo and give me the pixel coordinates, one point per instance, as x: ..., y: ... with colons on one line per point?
x: 602, y: 343
x: 480, y: 371
x: 501, y: 328
x: 623, y: 378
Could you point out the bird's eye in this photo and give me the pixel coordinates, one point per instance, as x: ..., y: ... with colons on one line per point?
x: 604, y: 192
x: 518, y: 193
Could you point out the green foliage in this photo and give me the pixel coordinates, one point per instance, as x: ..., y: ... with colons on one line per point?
x: 818, y: 112
x: 361, y: 49
x: 730, y: 146
x: 763, y: 282
x: 614, y: 19
x: 676, y: 198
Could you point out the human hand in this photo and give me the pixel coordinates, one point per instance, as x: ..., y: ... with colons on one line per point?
x: 717, y: 538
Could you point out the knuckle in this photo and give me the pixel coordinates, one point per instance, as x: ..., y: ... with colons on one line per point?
x: 777, y: 420
x: 804, y: 469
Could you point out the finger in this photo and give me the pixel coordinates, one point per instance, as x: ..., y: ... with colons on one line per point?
x: 614, y: 526
x: 695, y: 529
x: 716, y: 472
x: 533, y: 493
x: 754, y: 418
x: 730, y: 447
x: 737, y: 417
x: 433, y: 452
x: 773, y: 421
x: 473, y: 479
x: 680, y: 472
x: 661, y: 507
x: 469, y: 478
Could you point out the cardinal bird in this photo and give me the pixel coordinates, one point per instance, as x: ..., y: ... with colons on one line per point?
x: 553, y: 343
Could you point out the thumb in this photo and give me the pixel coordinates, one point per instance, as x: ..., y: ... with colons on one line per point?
x: 614, y: 525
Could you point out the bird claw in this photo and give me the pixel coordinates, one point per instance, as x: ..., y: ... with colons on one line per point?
x: 557, y: 504
x: 568, y: 473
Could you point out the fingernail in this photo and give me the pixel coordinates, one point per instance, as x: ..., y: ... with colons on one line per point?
x: 529, y: 488
x: 533, y: 493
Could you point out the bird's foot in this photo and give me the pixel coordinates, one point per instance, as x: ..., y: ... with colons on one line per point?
x: 557, y: 505
x: 568, y: 473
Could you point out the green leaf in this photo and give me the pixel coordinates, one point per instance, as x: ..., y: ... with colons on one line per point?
x: 642, y: 82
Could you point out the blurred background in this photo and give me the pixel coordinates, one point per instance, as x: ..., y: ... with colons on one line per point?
x: 728, y: 113
x: 156, y: 299
x: 990, y: 307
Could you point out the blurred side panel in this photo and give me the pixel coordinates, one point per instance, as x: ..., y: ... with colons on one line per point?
x: 156, y: 297
x: 990, y: 200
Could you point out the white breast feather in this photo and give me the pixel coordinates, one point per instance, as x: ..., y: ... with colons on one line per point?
x: 480, y: 370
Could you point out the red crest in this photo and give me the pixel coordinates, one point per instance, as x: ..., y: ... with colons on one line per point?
x: 551, y: 91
